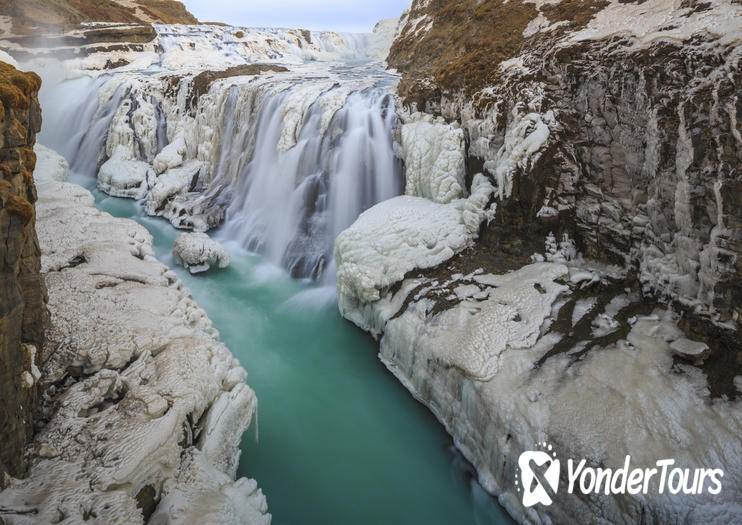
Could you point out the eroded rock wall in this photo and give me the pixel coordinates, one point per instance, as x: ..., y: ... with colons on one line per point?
x: 642, y: 162
x: 22, y: 295
x: 609, y: 132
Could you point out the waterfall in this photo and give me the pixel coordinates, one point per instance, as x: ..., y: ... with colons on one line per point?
x: 78, y: 130
x: 291, y: 205
x: 236, y: 45
x: 283, y: 161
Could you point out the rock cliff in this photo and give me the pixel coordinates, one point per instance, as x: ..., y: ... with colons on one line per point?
x: 597, y: 305
x: 22, y: 295
x: 37, y: 17
x: 640, y: 103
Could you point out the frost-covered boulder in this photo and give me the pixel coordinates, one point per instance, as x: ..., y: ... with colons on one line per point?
x: 198, y: 252
x: 404, y: 233
x: 123, y: 177
x: 433, y: 152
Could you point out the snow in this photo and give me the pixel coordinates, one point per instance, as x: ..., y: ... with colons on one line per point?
x: 5, y: 57
x: 694, y: 350
x: 295, y: 108
x: 150, y: 365
x: 473, y: 366
x: 171, y: 183
x: 198, y: 252
x: 663, y: 19
x: 331, y: 103
x: 404, y: 233
x: 473, y: 335
x: 433, y: 152
x: 525, y: 139
x: 190, y: 48
x: 171, y: 155
x: 121, y: 177
x: 50, y: 165
x: 385, y: 32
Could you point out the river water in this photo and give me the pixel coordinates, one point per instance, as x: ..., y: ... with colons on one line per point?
x: 340, y: 441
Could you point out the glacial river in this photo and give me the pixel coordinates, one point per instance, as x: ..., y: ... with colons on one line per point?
x: 340, y: 441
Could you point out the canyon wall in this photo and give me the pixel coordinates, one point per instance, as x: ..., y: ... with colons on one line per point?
x: 143, y: 409
x: 565, y: 265
x: 37, y: 17
x: 22, y: 294
x: 640, y: 102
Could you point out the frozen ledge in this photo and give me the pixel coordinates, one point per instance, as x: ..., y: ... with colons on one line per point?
x: 560, y: 352
x: 143, y: 408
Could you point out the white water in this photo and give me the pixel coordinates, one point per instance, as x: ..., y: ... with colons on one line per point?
x: 290, y: 206
x: 286, y: 202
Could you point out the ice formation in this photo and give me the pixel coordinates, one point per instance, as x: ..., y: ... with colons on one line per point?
x: 51, y: 164
x: 434, y: 159
x: 134, y: 371
x: 404, y: 233
x: 120, y: 176
x: 198, y: 252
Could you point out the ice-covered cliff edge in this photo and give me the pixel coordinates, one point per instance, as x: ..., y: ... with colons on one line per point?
x: 610, y: 132
x: 143, y: 407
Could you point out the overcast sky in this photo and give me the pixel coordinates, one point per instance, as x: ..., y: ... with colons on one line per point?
x: 337, y: 15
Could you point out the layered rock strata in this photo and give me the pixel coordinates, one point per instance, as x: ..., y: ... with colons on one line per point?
x: 22, y: 294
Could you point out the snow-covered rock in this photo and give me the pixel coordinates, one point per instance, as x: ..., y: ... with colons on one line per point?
x: 198, y: 252
x: 133, y: 370
x: 169, y: 184
x: 171, y: 155
x: 501, y: 366
x: 433, y: 152
x: 50, y: 165
x: 120, y: 176
x: 404, y: 233
x: 5, y: 57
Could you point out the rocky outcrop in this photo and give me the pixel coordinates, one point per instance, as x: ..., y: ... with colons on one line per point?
x: 143, y: 408
x: 640, y: 160
x: 49, y: 16
x: 22, y: 295
x: 597, y: 306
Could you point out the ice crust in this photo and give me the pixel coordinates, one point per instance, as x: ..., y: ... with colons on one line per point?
x: 141, y: 395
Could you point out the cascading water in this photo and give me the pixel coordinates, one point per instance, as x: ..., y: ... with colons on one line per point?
x: 294, y: 157
x: 78, y: 130
x: 291, y: 205
x: 290, y: 179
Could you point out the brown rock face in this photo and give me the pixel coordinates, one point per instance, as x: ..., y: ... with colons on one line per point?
x: 41, y: 16
x: 22, y: 293
x: 643, y: 163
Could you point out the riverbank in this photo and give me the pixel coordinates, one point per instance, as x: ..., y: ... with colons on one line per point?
x: 143, y: 408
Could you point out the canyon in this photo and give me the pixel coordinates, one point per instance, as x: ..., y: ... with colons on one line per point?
x: 531, y: 207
